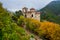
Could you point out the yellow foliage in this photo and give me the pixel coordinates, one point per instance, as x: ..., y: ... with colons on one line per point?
x: 50, y: 29
x: 46, y: 29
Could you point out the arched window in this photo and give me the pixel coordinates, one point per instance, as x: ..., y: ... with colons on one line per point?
x: 32, y: 15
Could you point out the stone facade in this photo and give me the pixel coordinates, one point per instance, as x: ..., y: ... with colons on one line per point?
x: 32, y: 13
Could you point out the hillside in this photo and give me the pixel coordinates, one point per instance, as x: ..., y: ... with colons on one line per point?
x: 51, y: 12
x: 17, y: 27
x: 10, y: 30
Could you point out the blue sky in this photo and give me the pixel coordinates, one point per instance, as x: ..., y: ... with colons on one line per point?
x: 14, y: 5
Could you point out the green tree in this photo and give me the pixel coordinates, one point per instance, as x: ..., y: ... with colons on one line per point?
x: 18, y: 13
x: 9, y: 30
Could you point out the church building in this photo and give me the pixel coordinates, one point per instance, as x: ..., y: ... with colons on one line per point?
x: 31, y: 13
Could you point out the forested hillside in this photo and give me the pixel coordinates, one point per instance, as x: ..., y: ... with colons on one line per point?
x: 9, y: 30
x: 51, y: 12
x: 17, y: 27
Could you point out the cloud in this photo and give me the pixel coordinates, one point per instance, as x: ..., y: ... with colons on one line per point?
x: 18, y: 4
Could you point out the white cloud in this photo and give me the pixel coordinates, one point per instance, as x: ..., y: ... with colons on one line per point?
x: 18, y: 4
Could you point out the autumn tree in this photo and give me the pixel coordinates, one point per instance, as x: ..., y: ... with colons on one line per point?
x: 9, y: 30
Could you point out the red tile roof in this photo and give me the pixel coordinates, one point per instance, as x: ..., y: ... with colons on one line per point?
x: 32, y: 9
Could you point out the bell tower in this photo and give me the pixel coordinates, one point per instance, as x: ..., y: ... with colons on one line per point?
x: 24, y: 10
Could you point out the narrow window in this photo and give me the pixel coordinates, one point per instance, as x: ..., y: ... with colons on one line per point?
x: 32, y: 15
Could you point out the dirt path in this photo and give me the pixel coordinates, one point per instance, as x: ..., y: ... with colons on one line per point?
x: 35, y: 36
x: 28, y: 33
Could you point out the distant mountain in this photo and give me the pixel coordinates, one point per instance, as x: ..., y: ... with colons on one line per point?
x: 54, y: 7
x: 56, y: 0
x: 51, y: 12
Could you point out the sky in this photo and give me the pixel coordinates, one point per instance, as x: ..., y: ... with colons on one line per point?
x: 14, y: 5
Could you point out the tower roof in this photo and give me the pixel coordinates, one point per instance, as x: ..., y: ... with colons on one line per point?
x: 32, y: 9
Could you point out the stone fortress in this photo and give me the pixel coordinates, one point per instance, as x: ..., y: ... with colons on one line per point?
x: 32, y: 13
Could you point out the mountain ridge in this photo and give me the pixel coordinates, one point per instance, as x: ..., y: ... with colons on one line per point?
x: 51, y: 12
